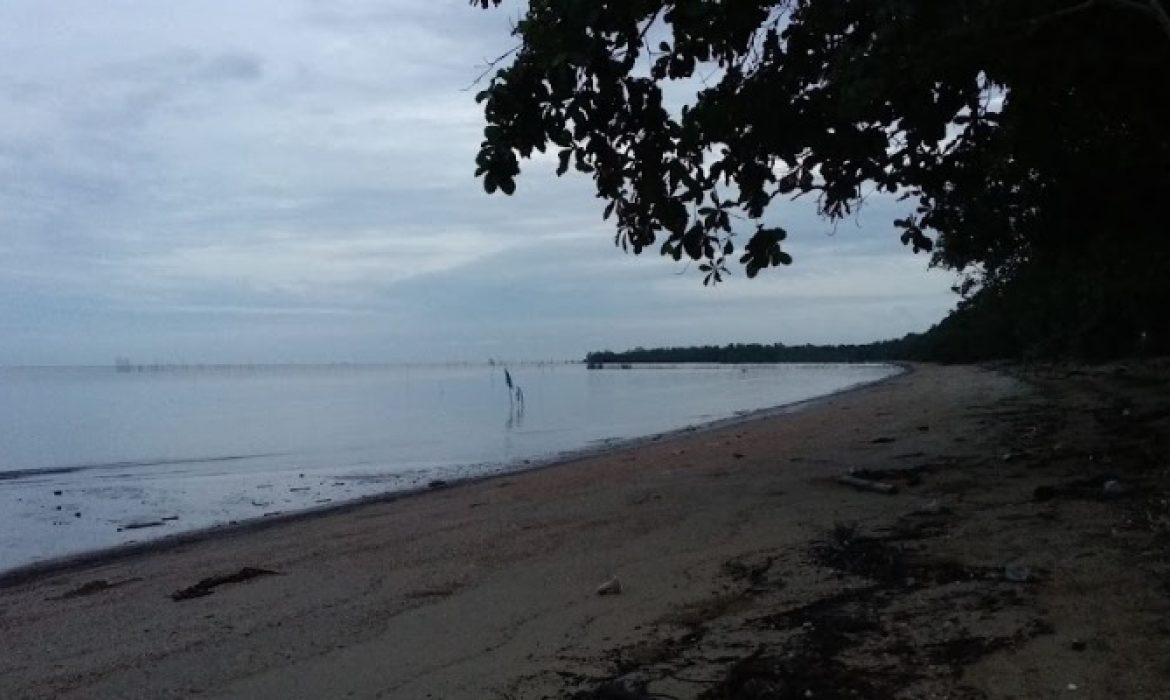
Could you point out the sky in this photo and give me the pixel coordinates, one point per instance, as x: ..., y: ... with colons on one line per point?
x: 292, y: 181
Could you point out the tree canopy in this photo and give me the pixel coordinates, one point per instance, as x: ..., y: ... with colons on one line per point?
x: 1029, y: 136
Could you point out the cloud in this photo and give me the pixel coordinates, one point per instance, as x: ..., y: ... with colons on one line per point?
x: 242, y: 67
x: 184, y: 67
x: 325, y: 267
x: 292, y: 180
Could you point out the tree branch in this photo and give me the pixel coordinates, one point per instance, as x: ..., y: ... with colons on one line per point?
x: 1151, y: 8
x: 490, y: 66
x: 649, y: 23
x: 1160, y: 14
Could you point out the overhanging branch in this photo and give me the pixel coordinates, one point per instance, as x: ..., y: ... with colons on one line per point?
x: 1150, y: 8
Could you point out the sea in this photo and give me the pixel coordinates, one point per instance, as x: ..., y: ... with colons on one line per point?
x: 97, y: 457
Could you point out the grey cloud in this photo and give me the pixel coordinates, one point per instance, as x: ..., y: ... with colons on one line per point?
x: 185, y: 66
x: 127, y: 94
x: 168, y: 195
x: 231, y: 67
x: 20, y: 90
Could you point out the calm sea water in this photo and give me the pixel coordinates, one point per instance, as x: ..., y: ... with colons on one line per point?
x: 91, y: 458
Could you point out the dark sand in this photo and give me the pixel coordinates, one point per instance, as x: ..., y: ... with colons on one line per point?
x: 1002, y: 567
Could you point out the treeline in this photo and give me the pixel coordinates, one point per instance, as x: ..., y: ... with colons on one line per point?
x: 739, y: 353
x: 1084, y: 310
x: 1045, y: 315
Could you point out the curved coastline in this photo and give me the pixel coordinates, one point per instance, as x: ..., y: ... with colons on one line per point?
x: 39, y: 570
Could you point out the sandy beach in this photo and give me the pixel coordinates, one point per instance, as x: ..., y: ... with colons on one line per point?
x: 1023, y: 553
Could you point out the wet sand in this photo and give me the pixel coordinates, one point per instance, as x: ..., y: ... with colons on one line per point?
x: 1004, y: 565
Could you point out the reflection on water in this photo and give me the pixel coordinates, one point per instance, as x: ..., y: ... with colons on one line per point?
x: 515, y: 416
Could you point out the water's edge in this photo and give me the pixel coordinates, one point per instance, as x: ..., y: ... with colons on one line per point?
x: 28, y: 573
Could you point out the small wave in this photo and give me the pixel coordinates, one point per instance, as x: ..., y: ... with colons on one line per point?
x: 15, y: 474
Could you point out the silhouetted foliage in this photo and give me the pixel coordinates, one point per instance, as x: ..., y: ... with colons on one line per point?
x: 737, y: 353
x: 1030, y: 136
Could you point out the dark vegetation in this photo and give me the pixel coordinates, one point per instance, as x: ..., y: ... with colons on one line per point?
x: 1027, y: 137
x: 753, y: 353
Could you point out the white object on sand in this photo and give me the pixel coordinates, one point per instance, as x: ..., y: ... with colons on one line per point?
x: 1114, y: 488
x: 1017, y: 573
x: 610, y: 587
x: 866, y: 484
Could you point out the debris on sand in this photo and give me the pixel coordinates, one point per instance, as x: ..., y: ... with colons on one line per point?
x: 85, y: 589
x: 1017, y: 573
x: 207, y: 586
x: 932, y: 507
x: 866, y: 484
x: 141, y: 524
x: 1099, y: 487
x: 92, y: 587
x: 1114, y: 488
x: 611, y: 587
x: 630, y: 687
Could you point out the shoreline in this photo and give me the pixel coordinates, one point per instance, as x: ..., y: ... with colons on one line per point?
x: 1019, y: 553
x: 27, y: 573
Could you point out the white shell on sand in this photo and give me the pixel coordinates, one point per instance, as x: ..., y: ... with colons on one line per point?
x: 611, y: 587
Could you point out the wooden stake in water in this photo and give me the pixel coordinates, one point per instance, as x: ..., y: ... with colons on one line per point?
x: 515, y: 393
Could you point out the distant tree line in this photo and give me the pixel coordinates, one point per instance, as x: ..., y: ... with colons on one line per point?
x: 740, y: 353
x: 1016, y: 323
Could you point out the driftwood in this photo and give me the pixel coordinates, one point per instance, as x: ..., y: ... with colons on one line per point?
x: 207, y: 586
x: 140, y: 524
x: 866, y: 484
x: 85, y: 589
x: 93, y: 587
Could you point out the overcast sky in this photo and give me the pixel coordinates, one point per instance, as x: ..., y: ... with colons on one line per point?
x: 292, y: 181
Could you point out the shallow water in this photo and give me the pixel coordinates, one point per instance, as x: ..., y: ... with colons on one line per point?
x: 91, y: 458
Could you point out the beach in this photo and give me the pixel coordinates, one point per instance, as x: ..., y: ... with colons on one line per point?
x: 1022, y: 553
x: 94, y: 458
